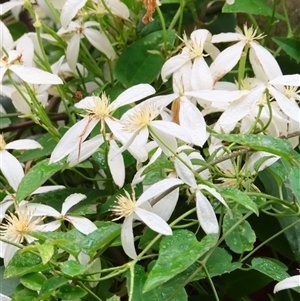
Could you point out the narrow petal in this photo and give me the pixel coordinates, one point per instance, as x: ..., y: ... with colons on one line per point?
x: 73, y: 138
x: 289, y: 282
x: 127, y: 237
x: 5, y: 7
x: 4, y: 205
x: 201, y: 77
x: 49, y: 227
x: 71, y: 200
x: 157, y: 189
x: 192, y: 121
x: 100, y: 41
x: 73, y: 51
x: 185, y: 174
x: 36, y: 76
x: 70, y: 10
x: 206, y: 214
x: 153, y: 221
x: 287, y: 80
x: 165, y: 206
x: 265, y: 60
x: 23, y: 144
x: 118, y: 8
x: 44, y: 189
x: 226, y: 60
x: 11, y: 169
x: 41, y: 210
x: 173, y: 64
x: 6, y: 38
x: 226, y: 37
x: 86, y: 150
x: 133, y: 94
x: 9, y: 253
x: 288, y: 106
x: 86, y: 103
x: 116, y: 164
x: 213, y: 192
x: 82, y: 224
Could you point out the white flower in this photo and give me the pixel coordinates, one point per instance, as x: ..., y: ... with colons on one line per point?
x: 4, y: 298
x: 9, y: 165
x: 82, y: 224
x: 31, y: 75
x: 99, y: 110
x: 141, y: 210
x: 138, y: 122
x: 15, y: 230
x: 76, y: 31
x: 290, y: 282
x: 205, y: 211
x: 199, y: 42
x: 262, y: 60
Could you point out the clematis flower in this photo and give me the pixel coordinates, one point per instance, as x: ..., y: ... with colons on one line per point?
x: 205, y: 211
x: 290, y: 282
x: 193, y: 54
x: 138, y: 122
x: 132, y: 209
x: 82, y: 224
x: 16, y: 229
x: 4, y: 297
x: 260, y: 58
x: 98, y: 110
x: 9, y: 165
x: 76, y: 31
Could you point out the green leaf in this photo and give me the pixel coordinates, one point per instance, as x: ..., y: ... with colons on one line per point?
x: 24, y: 263
x: 73, y: 268
x: 114, y: 298
x: 7, y: 286
x: 69, y: 241
x: 33, y: 281
x: 268, y: 144
x: 239, y: 197
x: 37, y: 176
x: 25, y: 295
x: 137, y: 65
x: 177, y: 252
x: 50, y: 286
x: 100, y: 238
x: 294, y: 180
x: 290, y: 46
x: 161, y: 293
x: 253, y: 7
x: 242, y: 238
x: 159, y: 165
x: 70, y: 292
x: 154, y: 176
x: 46, y: 251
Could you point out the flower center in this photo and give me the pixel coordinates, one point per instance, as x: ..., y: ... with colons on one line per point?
x: 250, y: 34
x: 2, y: 142
x: 126, y: 205
x: 101, y: 106
x: 195, y: 50
x: 290, y: 91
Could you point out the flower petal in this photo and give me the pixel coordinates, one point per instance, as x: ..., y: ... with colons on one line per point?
x: 153, y: 221
x: 127, y: 237
x: 184, y: 173
x: 70, y: 10
x: 201, y: 77
x: 290, y: 282
x: 173, y: 64
x: 72, y: 200
x: 206, y: 214
x: 82, y: 224
x: 73, y: 51
x: 40, y: 210
x: 11, y: 169
x: 116, y: 164
x: 23, y: 144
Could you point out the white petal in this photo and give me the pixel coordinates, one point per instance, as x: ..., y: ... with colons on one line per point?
x: 10, y: 251
x: 226, y: 60
x: 185, y: 174
x: 290, y: 282
x: 71, y: 200
x: 23, y: 144
x: 4, y: 298
x: 70, y: 10
x: 206, y: 214
x: 49, y: 227
x: 26, y: 47
x: 165, y: 206
x: 287, y: 80
x: 173, y: 64
x: 226, y: 37
x: 213, y: 192
x: 199, y: 37
x: 258, y: 155
x: 33, y: 75
x: 127, y: 237
x: 44, y: 189
x: 192, y: 121
x: 101, y: 42
x: 116, y: 164
x: 201, y: 77
x: 172, y: 129
x: 11, y: 169
x: 288, y: 106
x: 5, y: 7
x: 153, y: 221
x: 6, y: 38
x: 87, y: 148
x: 133, y: 94
x: 157, y: 189
x: 118, y: 8
x: 166, y: 142
x: 73, y: 138
x: 41, y: 210
x: 265, y: 60
x: 73, y: 51
x: 4, y: 205
x: 82, y: 224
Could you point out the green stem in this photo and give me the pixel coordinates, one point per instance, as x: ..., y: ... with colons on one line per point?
x: 163, y: 25
x: 89, y: 291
